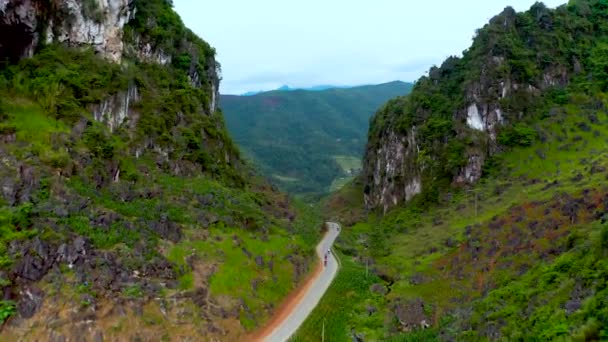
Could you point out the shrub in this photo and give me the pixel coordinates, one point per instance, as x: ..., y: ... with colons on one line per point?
x: 7, y: 309
x: 517, y: 135
x: 604, y: 237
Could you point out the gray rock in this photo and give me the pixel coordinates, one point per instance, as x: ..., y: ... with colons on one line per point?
x: 56, y: 337
x: 98, y: 336
x: 259, y: 260
x: 31, y: 299
x: 410, y: 314
x: 378, y: 289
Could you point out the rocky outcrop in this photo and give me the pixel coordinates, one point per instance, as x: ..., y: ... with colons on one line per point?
x: 145, y: 51
x: 391, y: 163
x: 97, y: 23
x: 116, y: 109
x: 494, y: 85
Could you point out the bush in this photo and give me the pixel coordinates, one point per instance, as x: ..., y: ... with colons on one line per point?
x: 98, y: 143
x: 7, y: 309
x: 604, y: 237
x: 517, y: 135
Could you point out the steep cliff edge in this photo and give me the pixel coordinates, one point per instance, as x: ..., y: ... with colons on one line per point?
x: 125, y: 208
x: 471, y: 108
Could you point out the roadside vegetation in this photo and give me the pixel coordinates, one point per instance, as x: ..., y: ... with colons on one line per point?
x: 521, y: 254
x: 151, y: 224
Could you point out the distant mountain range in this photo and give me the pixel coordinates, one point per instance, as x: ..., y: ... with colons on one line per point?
x: 288, y: 88
x: 307, y: 139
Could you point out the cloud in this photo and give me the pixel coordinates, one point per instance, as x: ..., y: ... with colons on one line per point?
x: 267, y: 43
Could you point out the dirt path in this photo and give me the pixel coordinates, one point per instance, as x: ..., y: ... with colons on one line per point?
x: 300, y: 303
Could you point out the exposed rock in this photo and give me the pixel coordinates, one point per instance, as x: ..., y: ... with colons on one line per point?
x: 167, y: 229
x: 98, y: 336
x: 378, y: 289
x: 388, y: 164
x: 56, y: 337
x: 370, y: 309
x: 34, y: 259
x: 146, y: 52
x: 399, y: 160
x: 30, y: 21
x: 259, y: 260
x: 114, y: 110
x: 31, y: 301
x: 471, y: 173
x: 411, y: 314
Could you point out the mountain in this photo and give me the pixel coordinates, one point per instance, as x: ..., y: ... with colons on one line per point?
x: 486, y: 193
x: 288, y: 88
x: 126, y: 211
x: 305, y: 140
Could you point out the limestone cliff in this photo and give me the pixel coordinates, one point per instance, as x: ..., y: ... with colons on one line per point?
x: 27, y: 25
x: 121, y: 191
x: 96, y: 23
x: 444, y: 132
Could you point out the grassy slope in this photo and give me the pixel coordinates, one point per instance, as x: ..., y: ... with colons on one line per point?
x: 235, y: 270
x: 142, y: 230
x: 529, y: 253
x: 221, y: 247
x: 297, y: 134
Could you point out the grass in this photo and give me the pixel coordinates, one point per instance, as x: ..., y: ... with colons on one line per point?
x: 235, y: 251
x: 245, y: 222
x: 32, y: 124
x: 343, y: 307
x: 285, y: 178
x: 339, y: 183
x: 348, y: 163
x: 452, y: 254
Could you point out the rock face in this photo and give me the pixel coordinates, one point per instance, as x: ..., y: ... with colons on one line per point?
x: 394, y: 158
x: 97, y: 23
x: 146, y: 52
x: 450, y: 125
x: 114, y: 110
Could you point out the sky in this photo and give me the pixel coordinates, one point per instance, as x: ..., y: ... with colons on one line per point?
x: 265, y: 44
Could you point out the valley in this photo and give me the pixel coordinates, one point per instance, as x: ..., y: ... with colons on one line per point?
x: 309, y: 142
x: 139, y: 204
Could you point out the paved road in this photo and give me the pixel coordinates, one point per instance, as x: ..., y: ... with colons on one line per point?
x: 298, y: 315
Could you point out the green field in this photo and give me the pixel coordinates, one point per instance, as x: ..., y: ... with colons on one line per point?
x: 297, y: 133
x: 348, y: 163
x: 339, y: 183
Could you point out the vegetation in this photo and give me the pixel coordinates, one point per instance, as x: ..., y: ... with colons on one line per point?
x: 344, y: 306
x: 7, y: 309
x: 542, y: 50
x: 302, y: 137
x: 157, y: 208
x: 521, y: 254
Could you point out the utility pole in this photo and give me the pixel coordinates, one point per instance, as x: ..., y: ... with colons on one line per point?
x: 323, y: 331
x: 467, y: 199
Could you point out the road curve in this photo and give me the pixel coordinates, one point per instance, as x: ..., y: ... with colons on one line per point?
x: 285, y: 328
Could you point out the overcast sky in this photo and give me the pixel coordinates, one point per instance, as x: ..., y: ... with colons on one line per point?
x: 264, y: 44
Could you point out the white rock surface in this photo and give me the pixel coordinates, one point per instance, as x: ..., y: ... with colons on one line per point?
x: 474, y: 120
x: 104, y: 35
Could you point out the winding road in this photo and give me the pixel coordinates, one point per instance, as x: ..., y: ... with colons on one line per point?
x: 288, y: 322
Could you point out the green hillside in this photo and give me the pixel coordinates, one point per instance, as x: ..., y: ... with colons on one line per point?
x: 126, y: 211
x: 300, y: 138
x: 516, y: 255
